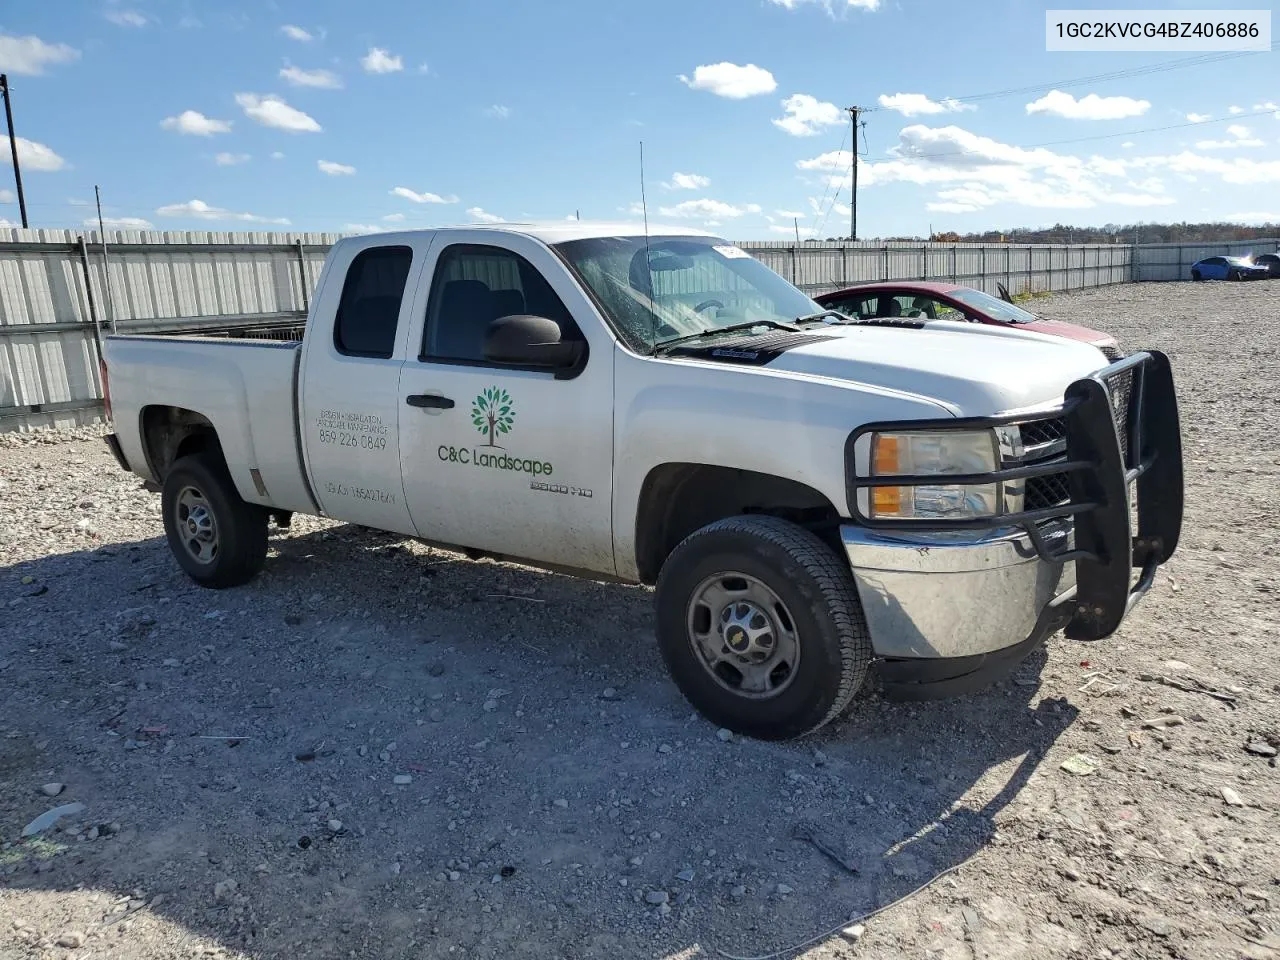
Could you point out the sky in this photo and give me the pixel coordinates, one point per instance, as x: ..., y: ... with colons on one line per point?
x: 328, y: 115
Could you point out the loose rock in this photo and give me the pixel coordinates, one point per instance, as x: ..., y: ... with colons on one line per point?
x: 402, y: 779
x: 656, y: 897
x: 71, y: 940
x: 52, y: 789
x: 1231, y: 798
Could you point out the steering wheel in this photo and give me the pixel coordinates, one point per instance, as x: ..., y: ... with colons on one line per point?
x: 708, y: 303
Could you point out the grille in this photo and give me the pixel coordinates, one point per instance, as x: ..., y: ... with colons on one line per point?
x: 1040, y: 432
x: 1047, y: 491
x: 1120, y: 388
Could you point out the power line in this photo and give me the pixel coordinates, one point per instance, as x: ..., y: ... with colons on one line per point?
x: 1124, y: 74
x: 1099, y: 136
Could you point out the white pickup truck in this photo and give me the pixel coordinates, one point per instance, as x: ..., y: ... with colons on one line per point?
x: 817, y: 499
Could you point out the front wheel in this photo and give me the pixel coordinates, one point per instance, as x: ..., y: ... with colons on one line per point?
x: 1234, y: 275
x: 1195, y: 275
x: 760, y: 626
x: 216, y: 537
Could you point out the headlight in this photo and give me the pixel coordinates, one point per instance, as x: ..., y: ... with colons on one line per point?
x: 936, y: 453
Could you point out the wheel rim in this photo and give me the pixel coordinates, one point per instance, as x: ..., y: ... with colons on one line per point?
x: 743, y: 635
x: 193, y: 520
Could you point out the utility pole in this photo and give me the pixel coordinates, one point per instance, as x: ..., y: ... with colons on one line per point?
x: 853, y: 193
x: 13, y: 147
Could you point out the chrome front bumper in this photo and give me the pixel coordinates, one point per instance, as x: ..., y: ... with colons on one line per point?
x: 962, y: 595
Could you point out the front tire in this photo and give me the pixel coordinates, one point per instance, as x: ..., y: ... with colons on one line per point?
x: 217, y: 538
x: 760, y: 625
x: 1195, y: 275
x: 1235, y: 275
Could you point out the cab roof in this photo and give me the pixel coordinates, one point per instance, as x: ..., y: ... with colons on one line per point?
x: 559, y: 231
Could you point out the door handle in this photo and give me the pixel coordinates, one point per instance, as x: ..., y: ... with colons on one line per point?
x: 429, y: 400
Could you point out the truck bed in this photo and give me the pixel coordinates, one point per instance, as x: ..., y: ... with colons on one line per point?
x: 246, y: 388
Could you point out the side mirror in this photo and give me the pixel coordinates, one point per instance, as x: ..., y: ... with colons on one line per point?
x: 532, y: 342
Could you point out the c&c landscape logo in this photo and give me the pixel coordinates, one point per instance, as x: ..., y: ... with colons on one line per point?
x: 493, y: 413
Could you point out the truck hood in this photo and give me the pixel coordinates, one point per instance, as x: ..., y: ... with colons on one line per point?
x: 975, y: 370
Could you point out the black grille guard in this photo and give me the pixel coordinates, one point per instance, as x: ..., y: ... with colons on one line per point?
x: 1122, y: 430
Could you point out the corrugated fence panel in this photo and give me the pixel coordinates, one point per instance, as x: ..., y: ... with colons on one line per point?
x: 50, y: 376
x: 1172, y: 261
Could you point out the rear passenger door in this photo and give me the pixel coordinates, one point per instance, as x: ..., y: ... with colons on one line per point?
x: 350, y: 381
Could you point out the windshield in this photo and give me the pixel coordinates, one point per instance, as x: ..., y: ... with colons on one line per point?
x: 993, y: 307
x: 689, y: 285
x: 1240, y: 261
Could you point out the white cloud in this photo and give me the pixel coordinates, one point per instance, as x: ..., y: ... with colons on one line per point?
x: 974, y: 172
x: 423, y: 197
x: 1234, y: 110
x: 687, y: 181
x: 363, y: 228
x: 7, y: 196
x: 806, y: 115
x: 498, y: 112
x: 394, y: 217
x: 295, y: 33
x: 378, y: 60
x: 1199, y: 117
x: 195, y: 123
x: 1128, y: 145
x: 705, y: 208
x: 1253, y: 217
x: 731, y: 80
x: 121, y: 223
x: 271, y: 111
x: 126, y: 18
x: 277, y: 155
x: 335, y: 169
x: 36, y: 156
x: 917, y: 104
x: 30, y: 55
x: 231, y: 159
x: 791, y: 214
x: 791, y: 230
x: 324, y: 79
x: 1269, y: 105
x: 482, y: 216
x: 1243, y: 138
x: 830, y: 5
x: 9, y: 223
x: 199, y: 210
x: 1089, y: 107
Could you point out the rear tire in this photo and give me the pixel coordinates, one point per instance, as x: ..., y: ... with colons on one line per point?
x: 788, y: 607
x: 217, y: 538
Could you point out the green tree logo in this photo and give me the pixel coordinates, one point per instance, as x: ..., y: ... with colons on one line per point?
x: 493, y: 413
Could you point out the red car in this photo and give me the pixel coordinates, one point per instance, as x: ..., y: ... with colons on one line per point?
x: 949, y: 301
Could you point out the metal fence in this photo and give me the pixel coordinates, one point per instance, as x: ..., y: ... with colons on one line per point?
x: 1022, y: 268
x: 1172, y: 261
x: 59, y: 292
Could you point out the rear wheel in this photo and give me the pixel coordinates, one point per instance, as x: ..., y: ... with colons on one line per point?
x: 760, y: 626
x: 217, y: 538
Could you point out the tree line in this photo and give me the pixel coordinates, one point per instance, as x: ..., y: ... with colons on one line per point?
x: 1215, y: 232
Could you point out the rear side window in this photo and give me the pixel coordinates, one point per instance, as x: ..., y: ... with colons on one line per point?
x: 369, y: 311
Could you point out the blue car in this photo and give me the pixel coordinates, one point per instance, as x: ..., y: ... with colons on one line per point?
x: 1228, y: 268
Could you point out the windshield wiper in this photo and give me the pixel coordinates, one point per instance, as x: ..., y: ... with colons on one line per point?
x: 731, y: 328
x: 822, y: 315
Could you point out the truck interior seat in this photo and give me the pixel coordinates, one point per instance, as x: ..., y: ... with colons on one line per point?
x: 467, y: 307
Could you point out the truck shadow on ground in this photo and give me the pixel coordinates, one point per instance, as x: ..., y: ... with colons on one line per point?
x: 238, y: 754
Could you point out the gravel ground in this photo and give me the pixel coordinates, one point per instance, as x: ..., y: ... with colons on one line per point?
x: 381, y: 750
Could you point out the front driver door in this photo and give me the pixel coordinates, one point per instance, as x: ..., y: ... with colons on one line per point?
x: 512, y: 461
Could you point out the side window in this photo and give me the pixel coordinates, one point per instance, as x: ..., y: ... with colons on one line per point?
x: 921, y: 307
x: 857, y: 307
x: 369, y: 311
x: 475, y: 285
